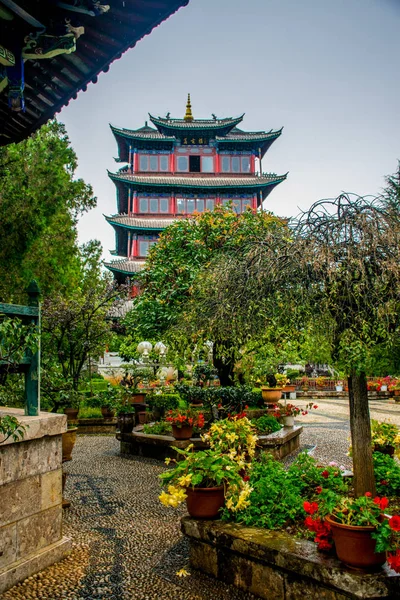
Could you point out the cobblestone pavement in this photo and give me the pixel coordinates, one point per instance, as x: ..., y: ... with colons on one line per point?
x: 127, y: 546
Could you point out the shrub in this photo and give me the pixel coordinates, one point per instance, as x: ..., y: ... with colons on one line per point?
x: 387, y: 474
x: 266, y: 424
x: 161, y: 428
x: 162, y: 401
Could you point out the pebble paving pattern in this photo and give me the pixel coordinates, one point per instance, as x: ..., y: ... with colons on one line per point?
x: 127, y: 546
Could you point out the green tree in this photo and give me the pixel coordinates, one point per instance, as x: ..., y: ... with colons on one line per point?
x: 175, y: 262
x: 40, y: 202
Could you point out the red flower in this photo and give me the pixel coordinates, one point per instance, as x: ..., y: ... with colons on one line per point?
x: 325, y: 474
x: 368, y: 494
x: 324, y: 545
x: 318, y: 489
x: 384, y: 503
x: 310, y: 507
x: 246, y: 407
x: 384, y: 482
x: 246, y: 478
x: 315, y: 406
x: 394, y: 561
x: 220, y: 405
x: 394, y: 523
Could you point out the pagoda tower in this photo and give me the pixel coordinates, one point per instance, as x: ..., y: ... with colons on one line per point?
x: 177, y: 167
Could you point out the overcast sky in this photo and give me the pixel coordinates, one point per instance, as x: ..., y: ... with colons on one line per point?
x: 326, y: 70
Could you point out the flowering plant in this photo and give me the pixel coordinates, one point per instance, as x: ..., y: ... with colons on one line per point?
x: 281, y: 379
x: 185, y: 418
x: 394, y: 385
x: 203, y: 469
x: 361, y: 512
x: 374, y: 386
x: 384, y: 434
x: 234, y: 436
x: 290, y: 410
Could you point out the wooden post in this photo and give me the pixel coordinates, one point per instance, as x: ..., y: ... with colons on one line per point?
x: 32, y: 375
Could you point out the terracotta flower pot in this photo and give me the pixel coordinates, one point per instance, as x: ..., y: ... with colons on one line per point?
x: 72, y: 413
x: 205, y: 503
x: 289, y: 389
x: 107, y: 412
x: 355, y: 547
x: 182, y: 433
x: 68, y: 443
x: 271, y: 395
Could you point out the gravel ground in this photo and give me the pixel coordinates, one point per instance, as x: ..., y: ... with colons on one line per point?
x: 127, y: 546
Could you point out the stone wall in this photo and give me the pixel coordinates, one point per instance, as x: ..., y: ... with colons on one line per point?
x: 30, y: 498
x: 276, y: 566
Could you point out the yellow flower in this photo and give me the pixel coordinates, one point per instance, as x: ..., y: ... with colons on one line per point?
x: 164, y: 498
x: 229, y: 504
x: 167, y: 461
x: 182, y: 573
x: 231, y: 437
x: 185, y: 480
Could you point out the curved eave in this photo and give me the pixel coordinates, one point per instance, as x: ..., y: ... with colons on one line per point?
x: 181, y: 127
x: 263, y: 142
x: 115, y: 224
x: 126, y: 138
x: 114, y: 268
x: 255, y: 183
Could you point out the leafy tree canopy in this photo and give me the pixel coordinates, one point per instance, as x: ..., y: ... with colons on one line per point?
x: 40, y: 202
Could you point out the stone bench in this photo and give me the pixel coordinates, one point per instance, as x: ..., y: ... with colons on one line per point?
x: 276, y: 566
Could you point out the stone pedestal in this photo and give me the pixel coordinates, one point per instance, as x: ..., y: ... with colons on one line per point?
x: 281, y: 443
x: 276, y: 566
x: 30, y: 498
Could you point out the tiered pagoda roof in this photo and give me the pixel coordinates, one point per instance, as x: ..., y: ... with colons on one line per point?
x: 179, y: 166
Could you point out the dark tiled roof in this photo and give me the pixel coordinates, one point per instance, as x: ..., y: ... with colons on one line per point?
x: 239, y: 136
x: 219, y: 181
x: 138, y: 223
x: 211, y: 124
x: 125, y: 266
x: 50, y: 83
x: 144, y: 133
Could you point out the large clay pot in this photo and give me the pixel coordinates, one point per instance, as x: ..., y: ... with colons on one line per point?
x: 72, y: 413
x: 271, y: 395
x: 288, y: 389
x: 385, y: 449
x: 355, y: 547
x: 68, y: 443
x: 125, y: 422
x: 205, y: 503
x: 182, y: 433
x: 107, y: 412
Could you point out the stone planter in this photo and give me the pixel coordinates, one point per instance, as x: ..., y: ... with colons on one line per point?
x: 274, y: 565
x: 288, y: 421
x: 205, y: 503
x: 68, y: 443
x: 355, y: 547
x: 339, y: 388
x: 182, y: 433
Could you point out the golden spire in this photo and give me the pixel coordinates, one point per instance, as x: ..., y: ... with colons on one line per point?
x: 188, y: 114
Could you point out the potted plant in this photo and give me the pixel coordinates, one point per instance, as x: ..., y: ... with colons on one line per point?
x: 320, y: 382
x: 107, y: 400
x: 385, y: 437
x: 305, y: 383
x: 71, y: 399
x: 266, y: 424
x: 395, y: 387
x: 287, y: 412
x: 207, y: 480
x: 374, y: 386
x: 339, y: 385
x: 361, y: 531
x: 183, y: 422
x: 271, y: 392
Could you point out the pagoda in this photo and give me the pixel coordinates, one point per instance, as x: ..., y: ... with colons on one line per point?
x: 177, y: 167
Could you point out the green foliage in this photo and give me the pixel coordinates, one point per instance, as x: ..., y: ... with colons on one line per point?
x: 266, y: 424
x: 40, y: 201
x: 384, y: 434
x: 110, y: 398
x: 163, y: 401
x: 387, y: 474
x: 161, y: 428
x: 11, y: 427
x: 87, y: 412
x: 278, y: 493
x: 191, y: 394
x: 16, y: 338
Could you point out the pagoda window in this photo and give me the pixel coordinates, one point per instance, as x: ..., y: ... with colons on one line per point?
x: 187, y: 206
x: 153, y: 162
x: 210, y: 203
x: 239, y: 205
x: 144, y: 246
x: 235, y: 164
x: 207, y: 164
x: 153, y: 205
x: 182, y: 163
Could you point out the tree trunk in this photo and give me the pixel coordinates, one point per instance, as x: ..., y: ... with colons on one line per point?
x: 360, y: 425
x: 224, y: 362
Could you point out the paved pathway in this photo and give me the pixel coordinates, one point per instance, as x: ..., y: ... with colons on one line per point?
x: 127, y: 546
